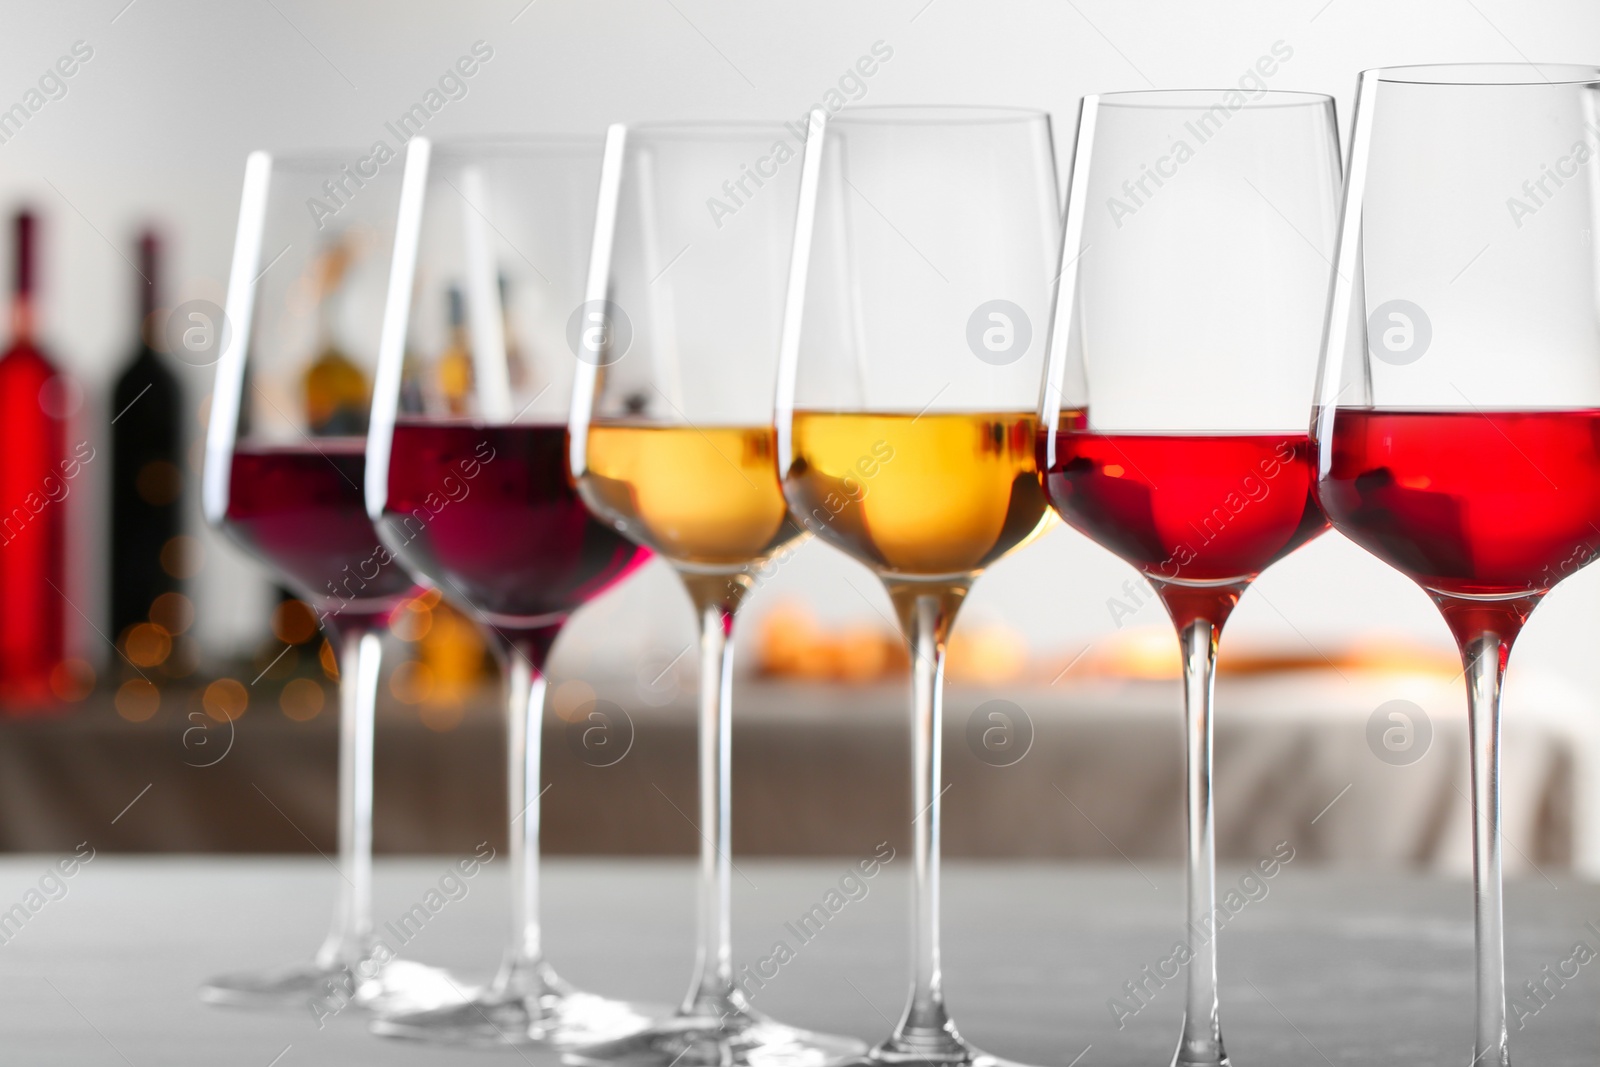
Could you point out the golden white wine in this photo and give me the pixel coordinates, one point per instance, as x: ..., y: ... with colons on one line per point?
x: 940, y: 494
x: 703, y: 496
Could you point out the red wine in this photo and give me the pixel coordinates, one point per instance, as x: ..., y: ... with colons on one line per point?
x: 301, y: 508
x: 1209, y: 511
x: 1486, y: 506
x: 490, y: 517
x: 35, y: 480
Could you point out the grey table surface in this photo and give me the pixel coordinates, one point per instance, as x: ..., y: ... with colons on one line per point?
x: 1323, y: 968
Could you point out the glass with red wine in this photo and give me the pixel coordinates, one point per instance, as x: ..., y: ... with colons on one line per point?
x: 467, y: 482
x: 1194, y: 277
x: 285, y: 459
x: 1458, y: 414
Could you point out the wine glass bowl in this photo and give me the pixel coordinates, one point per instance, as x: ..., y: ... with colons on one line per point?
x: 514, y: 496
x: 701, y: 497
x: 1199, y: 515
x: 1460, y: 391
x: 1486, y: 510
x: 1444, y: 431
x: 935, y: 497
x: 291, y: 505
x: 677, y: 448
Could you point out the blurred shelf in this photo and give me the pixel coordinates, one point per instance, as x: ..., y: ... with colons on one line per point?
x: 823, y: 770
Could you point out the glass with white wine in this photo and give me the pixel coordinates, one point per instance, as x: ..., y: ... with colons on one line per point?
x: 672, y: 441
x: 913, y: 347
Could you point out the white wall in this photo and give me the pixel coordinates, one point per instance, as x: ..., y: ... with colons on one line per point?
x: 158, y: 122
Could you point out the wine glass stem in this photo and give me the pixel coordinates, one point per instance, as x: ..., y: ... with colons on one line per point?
x: 1485, y: 663
x: 1201, y: 1043
x: 350, y: 941
x: 925, y: 1028
x: 712, y: 991
x: 525, y: 695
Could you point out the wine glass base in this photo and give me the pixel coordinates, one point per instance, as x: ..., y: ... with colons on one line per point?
x: 501, y: 1020
x: 739, y: 1040
x: 960, y: 1054
x: 327, y: 989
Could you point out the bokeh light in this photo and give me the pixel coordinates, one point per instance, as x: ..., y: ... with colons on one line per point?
x: 302, y: 699
x: 147, y: 645
x: 182, y: 556
x: 414, y: 618
x: 225, y: 699
x: 159, y: 483
x: 137, y: 699
x: 173, y: 612
x: 71, y: 680
x: 412, y: 682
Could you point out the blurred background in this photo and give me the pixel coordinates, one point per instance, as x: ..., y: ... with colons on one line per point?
x: 1341, y: 711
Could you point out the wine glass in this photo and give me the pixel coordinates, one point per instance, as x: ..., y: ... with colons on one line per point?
x: 1194, y: 276
x: 913, y: 342
x: 1453, y: 445
x: 672, y: 443
x: 284, y: 462
x: 467, y: 483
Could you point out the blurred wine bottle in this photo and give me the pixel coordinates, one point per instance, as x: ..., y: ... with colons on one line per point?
x: 146, y: 469
x: 337, y: 390
x: 412, y: 398
x: 455, y: 365
x: 35, y: 477
x: 516, y: 364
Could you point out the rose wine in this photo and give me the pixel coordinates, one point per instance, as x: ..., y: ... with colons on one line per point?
x: 918, y: 496
x: 702, y: 496
x: 301, y: 509
x: 1186, y: 508
x: 35, y: 480
x: 1493, y: 506
x: 490, y: 517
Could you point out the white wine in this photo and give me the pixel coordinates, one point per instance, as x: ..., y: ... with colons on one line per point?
x: 918, y: 496
x: 707, y: 497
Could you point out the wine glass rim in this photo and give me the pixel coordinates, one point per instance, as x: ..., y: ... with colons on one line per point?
x: 510, y: 143
x: 319, y: 158
x: 703, y: 129
x: 514, y: 144
x: 1486, y: 74
x: 938, y: 114
x: 1185, y: 98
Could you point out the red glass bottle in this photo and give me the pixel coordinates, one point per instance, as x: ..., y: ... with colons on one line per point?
x: 34, y: 484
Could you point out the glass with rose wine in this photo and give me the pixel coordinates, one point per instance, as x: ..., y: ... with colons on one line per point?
x: 1458, y: 415
x: 1182, y: 357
